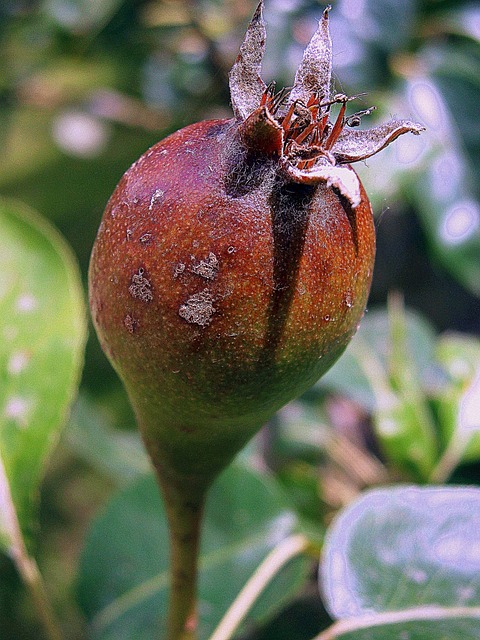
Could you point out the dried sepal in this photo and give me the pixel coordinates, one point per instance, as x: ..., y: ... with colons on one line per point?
x: 344, y: 179
x: 315, y: 71
x: 261, y: 134
x: 355, y: 145
x: 246, y: 84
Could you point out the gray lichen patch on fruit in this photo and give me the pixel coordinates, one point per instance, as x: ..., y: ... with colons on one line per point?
x: 121, y: 210
x: 198, y: 309
x: 140, y: 286
x: 131, y: 324
x: 157, y: 197
x: 146, y: 238
x: 178, y: 269
x: 207, y: 268
x: 348, y: 299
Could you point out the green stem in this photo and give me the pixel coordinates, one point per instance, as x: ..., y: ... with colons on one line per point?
x: 184, y: 511
x: 428, y: 613
x: 266, y: 571
x: 450, y: 459
x: 31, y: 576
x: 26, y: 565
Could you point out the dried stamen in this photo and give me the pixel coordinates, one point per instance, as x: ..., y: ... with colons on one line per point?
x: 279, y: 99
x: 306, y: 132
x: 355, y: 119
x: 287, y: 119
x: 337, y: 127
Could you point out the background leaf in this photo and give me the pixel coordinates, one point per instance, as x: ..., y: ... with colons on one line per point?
x: 42, y: 333
x: 81, y: 15
x: 387, y: 368
x: 124, y: 569
x: 119, y: 455
x: 348, y: 376
x: 406, y: 549
x: 458, y: 401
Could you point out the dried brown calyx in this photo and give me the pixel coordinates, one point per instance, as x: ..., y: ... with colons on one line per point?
x: 296, y: 125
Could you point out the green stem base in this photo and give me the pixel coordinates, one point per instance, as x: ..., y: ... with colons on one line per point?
x: 184, y: 508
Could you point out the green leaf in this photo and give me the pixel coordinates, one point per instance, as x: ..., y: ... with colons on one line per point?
x: 458, y: 402
x: 404, y: 562
x: 119, y: 455
x: 81, y: 15
x: 348, y: 375
x: 42, y: 334
x: 443, y: 191
x: 387, y: 367
x: 123, y: 579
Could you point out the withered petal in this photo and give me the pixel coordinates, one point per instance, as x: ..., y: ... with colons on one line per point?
x: 246, y: 84
x: 315, y: 71
x: 354, y: 145
x: 342, y: 178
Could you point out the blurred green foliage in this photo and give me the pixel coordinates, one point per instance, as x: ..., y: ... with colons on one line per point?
x: 87, y: 86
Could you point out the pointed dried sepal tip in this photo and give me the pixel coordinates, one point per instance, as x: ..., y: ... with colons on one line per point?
x: 355, y: 145
x: 246, y: 84
x: 314, y: 75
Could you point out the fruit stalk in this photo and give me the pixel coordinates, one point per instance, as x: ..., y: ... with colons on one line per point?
x: 184, y: 499
x: 184, y: 513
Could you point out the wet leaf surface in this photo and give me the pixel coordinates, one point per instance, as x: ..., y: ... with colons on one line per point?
x: 404, y: 563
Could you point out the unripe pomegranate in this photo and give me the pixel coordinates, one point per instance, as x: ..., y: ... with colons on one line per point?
x: 233, y: 264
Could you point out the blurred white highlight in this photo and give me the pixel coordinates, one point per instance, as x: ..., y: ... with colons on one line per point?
x: 460, y: 222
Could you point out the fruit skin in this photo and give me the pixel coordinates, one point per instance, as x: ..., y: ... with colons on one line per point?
x: 220, y: 290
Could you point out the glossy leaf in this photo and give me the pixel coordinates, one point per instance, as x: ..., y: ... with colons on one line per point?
x: 42, y: 329
x: 458, y: 402
x: 124, y: 569
x: 404, y: 562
